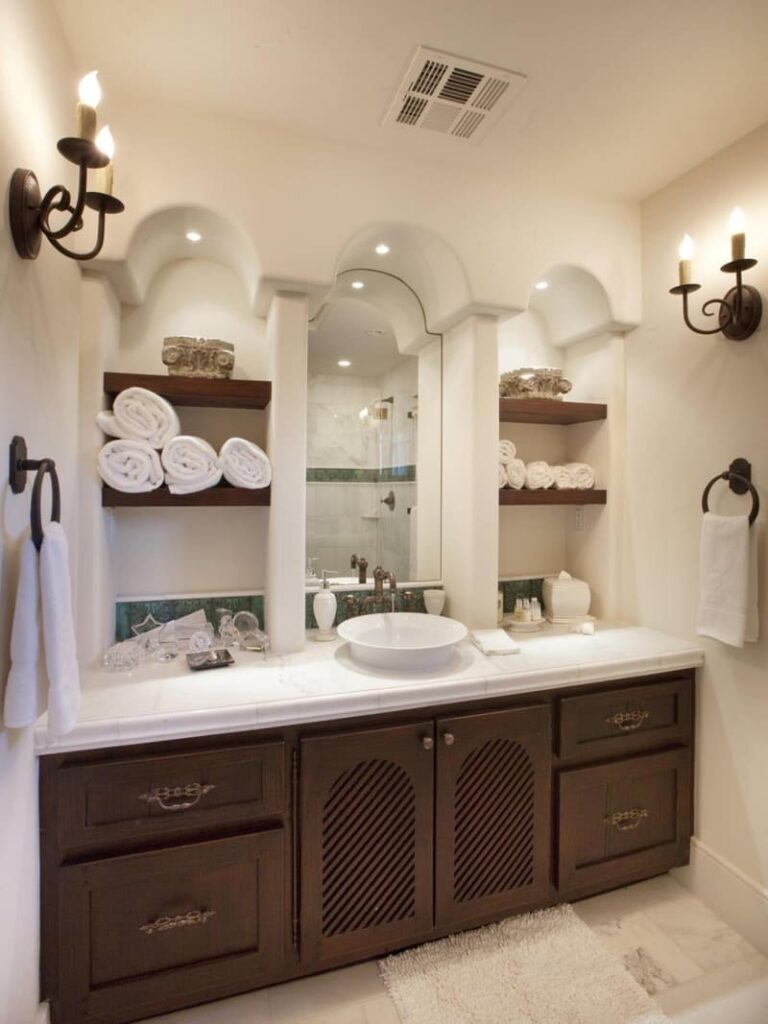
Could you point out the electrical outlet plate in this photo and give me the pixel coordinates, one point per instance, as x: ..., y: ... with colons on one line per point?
x: 578, y: 519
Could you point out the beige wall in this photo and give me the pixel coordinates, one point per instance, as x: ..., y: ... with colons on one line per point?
x: 39, y: 307
x: 694, y: 404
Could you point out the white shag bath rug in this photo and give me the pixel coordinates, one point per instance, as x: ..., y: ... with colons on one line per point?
x: 542, y: 968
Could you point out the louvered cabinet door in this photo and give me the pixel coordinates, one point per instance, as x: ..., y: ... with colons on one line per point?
x: 493, y: 834
x: 366, y: 840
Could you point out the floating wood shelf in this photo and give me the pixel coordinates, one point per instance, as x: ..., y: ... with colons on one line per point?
x: 222, y: 495
x: 508, y: 496
x: 549, y: 410
x: 198, y: 391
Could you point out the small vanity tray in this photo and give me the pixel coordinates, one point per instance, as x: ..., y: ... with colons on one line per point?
x: 523, y: 627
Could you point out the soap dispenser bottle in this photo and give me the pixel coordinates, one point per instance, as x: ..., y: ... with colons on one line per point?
x: 324, y: 607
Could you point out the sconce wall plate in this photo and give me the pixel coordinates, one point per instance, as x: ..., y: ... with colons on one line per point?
x: 739, y: 312
x: 29, y: 212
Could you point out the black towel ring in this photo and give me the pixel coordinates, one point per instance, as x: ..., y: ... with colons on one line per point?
x: 739, y: 478
x: 19, y: 465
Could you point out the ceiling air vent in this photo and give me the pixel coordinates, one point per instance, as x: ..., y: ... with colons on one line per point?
x: 451, y: 95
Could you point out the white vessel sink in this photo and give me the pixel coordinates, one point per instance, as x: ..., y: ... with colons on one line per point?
x: 402, y: 641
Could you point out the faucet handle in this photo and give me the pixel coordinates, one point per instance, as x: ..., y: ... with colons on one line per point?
x: 353, y: 563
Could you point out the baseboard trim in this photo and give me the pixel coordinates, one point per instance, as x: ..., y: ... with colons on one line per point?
x: 733, y: 895
x: 42, y: 1016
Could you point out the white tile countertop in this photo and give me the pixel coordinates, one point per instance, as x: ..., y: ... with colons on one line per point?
x: 167, y: 701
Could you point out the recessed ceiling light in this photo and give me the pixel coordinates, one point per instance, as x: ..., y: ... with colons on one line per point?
x: 344, y: 363
x: 193, y: 236
x: 541, y: 286
x: 375, y: 331
x: 357, y: 285
x: 382, y: 249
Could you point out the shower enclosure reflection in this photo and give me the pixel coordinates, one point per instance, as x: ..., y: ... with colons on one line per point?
x: 373, y: 448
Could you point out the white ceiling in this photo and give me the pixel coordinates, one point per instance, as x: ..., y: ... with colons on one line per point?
x: 340, y: 333
x: 622, y: 97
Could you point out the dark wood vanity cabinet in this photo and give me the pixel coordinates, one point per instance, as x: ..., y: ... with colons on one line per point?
x: 181, y: 872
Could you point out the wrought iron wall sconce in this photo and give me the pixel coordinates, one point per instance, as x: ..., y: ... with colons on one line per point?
x: 30, y: 212
x: 739, y: 312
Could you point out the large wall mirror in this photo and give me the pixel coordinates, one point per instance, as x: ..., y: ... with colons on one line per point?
x: 373, y: 447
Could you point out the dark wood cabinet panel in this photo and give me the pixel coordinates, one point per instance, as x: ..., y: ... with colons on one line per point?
x: 150, y: 931
x: 366, y: 839
x: 619, y: 722
x: 101, y: 805
x: 623, y: 821
x: 493, y: 842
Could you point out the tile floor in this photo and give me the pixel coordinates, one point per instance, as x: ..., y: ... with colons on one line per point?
x: 699, y: 969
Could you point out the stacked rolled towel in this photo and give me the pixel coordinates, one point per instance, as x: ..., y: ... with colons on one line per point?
x: 507, y: 452
x: 538, y: 476
x: 516, y: 474
x: 583, y: 475
x: 244, y: 464
x: 131, y: 466
x: 141, y: 415
x: 563, y: 478
x: 511, y: 469
x: 191, y: 465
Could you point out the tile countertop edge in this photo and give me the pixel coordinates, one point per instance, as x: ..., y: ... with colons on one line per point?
x: 483, y: 678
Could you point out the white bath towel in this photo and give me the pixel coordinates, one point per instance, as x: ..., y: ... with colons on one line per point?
x: 583, y: 475
x: 516, y: 474
x: 44, y: 597
x: 190, y: 464
x: 25, y: 689
x: 727, y: 580
x: 503, y: 478
x: 507, y: 451
x: 494, y: 641
x: 563, y: 478
x: 59, y: 631
x: 131, y: 466
x: 244, y: 464
x: 538, y: 476
x: 141, y: 415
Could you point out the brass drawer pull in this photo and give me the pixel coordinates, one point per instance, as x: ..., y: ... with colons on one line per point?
x: 628, y: 720
x: 167, y: 924
x: 627, y: 821
x: 194, y: 792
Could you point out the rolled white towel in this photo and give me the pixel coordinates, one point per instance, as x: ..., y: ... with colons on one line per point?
x: 507, y: 451
x: 503, y: 478
x: 141, y: 415
x: 563, y: 478
x: 130, y: 466
x: 538, y: 476
x: 190, y: 464
x: 583, y: 475
x: 244, y: 464
x: 516, y: 474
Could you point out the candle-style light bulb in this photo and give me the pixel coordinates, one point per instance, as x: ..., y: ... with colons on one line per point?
x: 738, y: 237
x: 105, y: 175
x: 89, y: 94
x: 685, y: 253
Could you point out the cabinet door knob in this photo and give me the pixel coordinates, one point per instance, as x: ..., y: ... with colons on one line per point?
x: 449, y: 739
x: 427, y: 742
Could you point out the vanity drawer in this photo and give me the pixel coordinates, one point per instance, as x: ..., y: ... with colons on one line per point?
x: 149, y: 932
x: 101, y: 804
x: 624, y: 821
x: 620, y: 722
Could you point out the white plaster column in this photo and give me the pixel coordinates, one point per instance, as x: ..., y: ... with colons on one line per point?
x: 287, y: 446
x: 470, y: 543
x: 96, y: 570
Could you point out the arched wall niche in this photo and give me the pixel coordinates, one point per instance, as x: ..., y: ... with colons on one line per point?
x: 573, y: 306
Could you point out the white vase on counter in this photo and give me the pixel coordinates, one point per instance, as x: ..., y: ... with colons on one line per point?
x: 324, y: 607
x: 434, y: 601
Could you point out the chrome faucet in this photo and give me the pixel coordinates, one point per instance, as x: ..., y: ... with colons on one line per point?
x: 377, y: 599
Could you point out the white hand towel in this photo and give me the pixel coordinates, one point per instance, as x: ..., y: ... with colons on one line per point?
x: 25, y: 690
x: 724, y: 579
x: 244, y: 464
x: 583, y: 475
x: 131, y: 466
x: 494, y: 641
x: 538, y: 476
x: 59, y: 631
x: 191, y: 465
x: 507, y: 451
x: 516, y: 474
x: 563, y: 478
x: 141, y: 415
x: 503, y: 478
